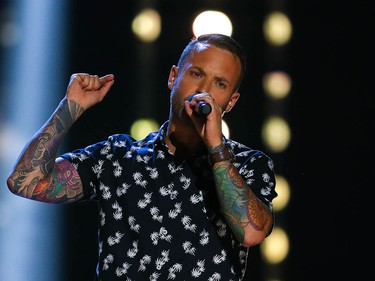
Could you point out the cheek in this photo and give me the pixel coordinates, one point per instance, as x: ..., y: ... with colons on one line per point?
x: 220, y: 100
x: 187, y: 84
x: 177, y: 100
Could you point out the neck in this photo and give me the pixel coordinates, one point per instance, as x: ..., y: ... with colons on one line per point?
x: 183, y: 140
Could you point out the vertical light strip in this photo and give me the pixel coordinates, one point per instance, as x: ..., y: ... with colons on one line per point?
x: 278, y: 32
x: 31, y: 84
x: 146, y: 54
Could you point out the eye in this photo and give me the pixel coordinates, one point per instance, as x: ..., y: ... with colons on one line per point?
x: 222, y: 85
x: 196, y: 73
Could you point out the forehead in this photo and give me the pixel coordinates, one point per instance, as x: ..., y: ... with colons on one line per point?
x: 210, y: 57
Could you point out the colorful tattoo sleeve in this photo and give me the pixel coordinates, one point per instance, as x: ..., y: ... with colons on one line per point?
x: 238, y: 202
x: 36, y: 174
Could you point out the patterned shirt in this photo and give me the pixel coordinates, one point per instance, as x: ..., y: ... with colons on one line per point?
x: 160, y: 219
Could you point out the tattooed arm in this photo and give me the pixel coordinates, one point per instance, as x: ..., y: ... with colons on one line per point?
x: 38, y: 174
x: 249, y: 219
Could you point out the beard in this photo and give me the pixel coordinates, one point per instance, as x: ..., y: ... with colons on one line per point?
x: 177, y: 104
x: 178, y: 112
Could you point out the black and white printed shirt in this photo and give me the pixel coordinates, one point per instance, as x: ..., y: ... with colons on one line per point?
x: 160, y: 219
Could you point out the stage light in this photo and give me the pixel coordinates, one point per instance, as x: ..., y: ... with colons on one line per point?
x: 276, y: 84
x: 277, y: 28
x: 142, y: 127
x: 9, y: 32
x: 212, y: 22
x: 275, y: 247
x: 225, y: 129
x: 283, y: 191
x: 33, y: 49
x: 147, y: 25
x: 276, y: 133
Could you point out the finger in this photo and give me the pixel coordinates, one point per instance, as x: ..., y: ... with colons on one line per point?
x: 89, y: 82
x: 188, y: 108
x: 200, y: 97
x: 95, y: 82
x: 82, y: 79
x: 106, y: 85
x: 79, y: 75
x: 107, y: 78
x: 105, y: 81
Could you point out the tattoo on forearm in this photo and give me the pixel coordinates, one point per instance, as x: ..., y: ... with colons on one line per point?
x: 63, y: 185
x: 238, y: 202
x: 39, y: 155
x: 70, y: 111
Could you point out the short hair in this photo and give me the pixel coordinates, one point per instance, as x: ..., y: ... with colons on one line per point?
x: 220, y: 41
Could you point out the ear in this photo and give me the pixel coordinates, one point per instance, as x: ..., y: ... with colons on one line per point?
x: 172, y: 76
x: 233, y: 99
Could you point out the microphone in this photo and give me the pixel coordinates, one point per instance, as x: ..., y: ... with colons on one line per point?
x: 203, y: 108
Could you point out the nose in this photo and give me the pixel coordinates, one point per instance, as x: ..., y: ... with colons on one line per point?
x: 204, y: 86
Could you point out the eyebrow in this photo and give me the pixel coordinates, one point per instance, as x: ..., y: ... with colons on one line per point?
x: 218, y: 78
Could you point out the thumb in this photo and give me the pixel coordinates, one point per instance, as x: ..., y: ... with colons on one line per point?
x: 106, y: 83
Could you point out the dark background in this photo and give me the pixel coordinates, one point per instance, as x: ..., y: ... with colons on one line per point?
x: 329, y: 161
